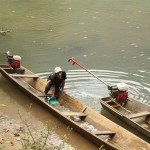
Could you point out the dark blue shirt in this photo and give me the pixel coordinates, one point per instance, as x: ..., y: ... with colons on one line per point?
x: 57, y: 80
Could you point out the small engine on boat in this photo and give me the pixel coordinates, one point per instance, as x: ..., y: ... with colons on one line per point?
x: 119, y: 92
x: 13, y: 60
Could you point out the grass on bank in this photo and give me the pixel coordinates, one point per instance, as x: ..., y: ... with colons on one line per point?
x: 30, y: 141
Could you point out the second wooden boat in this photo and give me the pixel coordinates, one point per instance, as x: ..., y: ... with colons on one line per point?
x: 134, y: 113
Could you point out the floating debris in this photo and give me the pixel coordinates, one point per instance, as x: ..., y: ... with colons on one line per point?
x: 3, y: 105
x: 134, y: 44
x: 4, y: 32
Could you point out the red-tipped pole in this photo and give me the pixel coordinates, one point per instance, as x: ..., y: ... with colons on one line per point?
x: 75, y: 62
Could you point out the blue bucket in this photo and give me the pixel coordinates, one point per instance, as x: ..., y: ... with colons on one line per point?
x: 52, y: 101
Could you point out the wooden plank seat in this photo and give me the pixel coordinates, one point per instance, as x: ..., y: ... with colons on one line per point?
x: 13, y: 69
x: 141, y: 114
x: 48, y: 95
x: 17, y: 70
x: 79, y: 114
x: 112, y: 103
x: 24, y: 76
x: 4, y: 66
x: 108, y: 101
x: 110, y: 133
x: 7, y: 68
x: 115, y: 105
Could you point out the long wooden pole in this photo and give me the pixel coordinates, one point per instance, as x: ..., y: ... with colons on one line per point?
x: 75, y: 62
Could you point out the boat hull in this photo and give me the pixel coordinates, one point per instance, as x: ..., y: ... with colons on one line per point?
x: 139, y: 122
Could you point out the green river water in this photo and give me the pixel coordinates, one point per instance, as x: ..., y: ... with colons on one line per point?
x: 109, y: 37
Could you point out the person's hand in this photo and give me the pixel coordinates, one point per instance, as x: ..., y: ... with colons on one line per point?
x: 64, y: 91
x: 53, y: 96
x: 48, y: 81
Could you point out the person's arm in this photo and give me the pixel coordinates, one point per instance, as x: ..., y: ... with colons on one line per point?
x: 51, y: 77
x: 63, y: 82
x: 63, y: 85
x: 53, y: 90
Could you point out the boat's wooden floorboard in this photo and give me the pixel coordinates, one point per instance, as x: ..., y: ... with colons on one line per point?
x: 80, y: 114
x: 24, y: 76
x: 140, y: 114
x: 105, y: 133
x: 27, y: 86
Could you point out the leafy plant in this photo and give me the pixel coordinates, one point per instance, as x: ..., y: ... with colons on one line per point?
x: 39, y: 140
x: 102, y: 147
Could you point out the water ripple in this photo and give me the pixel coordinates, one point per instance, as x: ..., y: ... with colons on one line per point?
x: 88, y: 89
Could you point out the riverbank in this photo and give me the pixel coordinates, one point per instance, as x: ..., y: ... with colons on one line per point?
x: 14, y: 135
x: 10, y: 131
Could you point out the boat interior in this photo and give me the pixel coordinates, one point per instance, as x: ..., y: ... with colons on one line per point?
x: 133, y: 109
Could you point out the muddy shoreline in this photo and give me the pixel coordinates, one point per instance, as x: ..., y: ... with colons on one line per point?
x: 12, y: 133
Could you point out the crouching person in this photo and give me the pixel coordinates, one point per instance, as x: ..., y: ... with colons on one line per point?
x: 56, y: 82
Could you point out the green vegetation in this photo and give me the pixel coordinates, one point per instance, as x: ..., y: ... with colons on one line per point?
x: 102, y: 148
x: 39, y: 140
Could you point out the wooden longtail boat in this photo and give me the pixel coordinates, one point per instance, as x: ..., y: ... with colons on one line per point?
x: 87, y: 122
x: 134, y: 113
